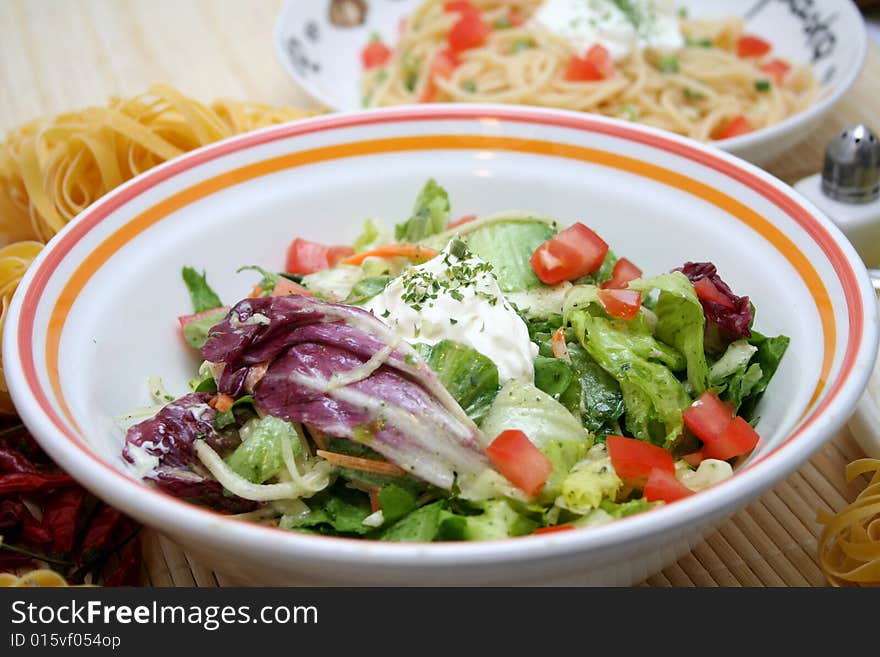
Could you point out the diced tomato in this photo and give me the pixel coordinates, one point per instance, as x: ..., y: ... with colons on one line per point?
x: 442, y: 66
x: 738, y: 125
x: 707, y: 417
x: 624, y: 304
x: 337, y: 253
x: 520, y: 461
x: 570, y: 254
x: 776, y: 69
x: 553, y: 528
x: 557, y: 344
x: 307, y: 257
x: 749, y: 45
x: 624, y: 271
x: 375, y: 54
x: 285, y: 286
x: 737, y: 438
x: 461, y: 221
x: 694, y: 459
x: 708, y: 291
x: 515, y: 18
x: 186, y: 319
x: 460, y: 6
x: 662, y: 486
x: 634, y: 460
x: 469, y: 32
x: 597, y: 64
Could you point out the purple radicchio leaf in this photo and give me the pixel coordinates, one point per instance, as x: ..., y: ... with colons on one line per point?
x: 169, y: 436
x: 396, y: 405
x: 733, y: 322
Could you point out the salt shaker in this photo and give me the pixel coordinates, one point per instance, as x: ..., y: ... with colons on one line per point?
x: 848, y: 189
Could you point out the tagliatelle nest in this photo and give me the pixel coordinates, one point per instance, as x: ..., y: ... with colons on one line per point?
x: 52, y: 169
x: 849, y: 547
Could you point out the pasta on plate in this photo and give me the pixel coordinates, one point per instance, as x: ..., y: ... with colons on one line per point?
x: 721, y: 83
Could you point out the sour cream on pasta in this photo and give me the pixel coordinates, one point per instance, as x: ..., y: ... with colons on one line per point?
x: 621, y: 27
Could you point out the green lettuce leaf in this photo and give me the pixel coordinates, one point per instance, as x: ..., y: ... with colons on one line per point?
x: 366, y: 289
x: 269, y: 279
x: 421, y: 525
x: 196, y: 332
x: 653, y: 397
x: 563, y: 454
x: 590, y: 481
x: 258, y: 458
x: 337, y: 510
x: 680, y: 322
x: 769, y: 354
x: 582, y: 386
x: 469, y: 376
x: 430, y: 215
x: 543, y: 419
x: 508, y: 246
x: 203, y: 297
x: 396, y: 502
x: 374, y: 234
x: 498, y: 519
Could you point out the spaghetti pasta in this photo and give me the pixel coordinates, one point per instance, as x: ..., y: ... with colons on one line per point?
x: 849, y: 547
x: 697, y: 93
x: 52, y: 169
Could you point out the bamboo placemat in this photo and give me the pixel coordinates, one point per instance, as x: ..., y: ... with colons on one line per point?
x: 59, y: 56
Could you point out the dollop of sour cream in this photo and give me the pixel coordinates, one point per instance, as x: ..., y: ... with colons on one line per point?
x: 458, y: 298
x: 621, y: 27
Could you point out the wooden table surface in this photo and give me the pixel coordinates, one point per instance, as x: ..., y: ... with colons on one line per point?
x: 58, y: 55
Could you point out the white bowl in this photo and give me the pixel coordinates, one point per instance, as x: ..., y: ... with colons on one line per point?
x: 324, y: 59
x: 97, y: 311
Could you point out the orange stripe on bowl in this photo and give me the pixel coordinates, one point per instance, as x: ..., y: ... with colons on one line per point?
x: 436, y: 142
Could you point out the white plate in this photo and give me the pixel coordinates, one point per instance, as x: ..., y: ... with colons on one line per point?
x: 830, y: 35
x: 96, y: 313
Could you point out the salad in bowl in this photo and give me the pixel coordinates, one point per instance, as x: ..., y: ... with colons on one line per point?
x: 468, y: 379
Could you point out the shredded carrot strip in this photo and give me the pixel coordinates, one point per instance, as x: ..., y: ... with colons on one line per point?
x: 222, y: 403
x: 411, y: 251
x: 256, y: 292
x: 357, y: 463
x: 372, y: 491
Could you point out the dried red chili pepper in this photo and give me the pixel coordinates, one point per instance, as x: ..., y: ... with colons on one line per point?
x: 12, y: 561
x: 12, y: 461
x: 10, y: 514
x: 61, y: 515
x: 128, y: 571
x: 27, y: 482
x: 100, y: 532
x: 32, y: 531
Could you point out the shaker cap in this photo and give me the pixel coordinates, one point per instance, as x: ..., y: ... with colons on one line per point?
x: 851, y: 173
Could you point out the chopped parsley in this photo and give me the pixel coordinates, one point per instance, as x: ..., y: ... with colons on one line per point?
x: 470, y: 86
x: 421, y: 288
x: 693, y: 94
x: 668, y: 64
x: 522, y: 44
x: 762, y: 85
x: 698, y: 43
